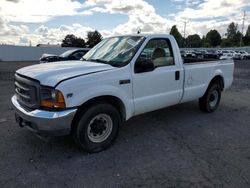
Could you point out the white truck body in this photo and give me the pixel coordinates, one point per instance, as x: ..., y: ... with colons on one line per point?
x: 138, y: 92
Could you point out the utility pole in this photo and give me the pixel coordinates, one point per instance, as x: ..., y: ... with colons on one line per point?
x: 185, y: 23
x: 184, y: 33
x: 138, y: 30
x: 243, y: 22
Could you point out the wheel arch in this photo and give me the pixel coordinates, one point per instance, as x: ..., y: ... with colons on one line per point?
x: 218, y: 79
x: 113, y: 100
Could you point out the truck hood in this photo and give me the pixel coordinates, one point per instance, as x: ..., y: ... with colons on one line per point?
x: 52, y: 73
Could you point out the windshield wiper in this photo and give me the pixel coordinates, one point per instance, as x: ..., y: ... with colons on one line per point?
x: 98, y: 60
x: 112, y: 63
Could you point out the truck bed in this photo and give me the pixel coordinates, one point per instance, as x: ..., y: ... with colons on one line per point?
x: 198, y: 75
x: 196, y: 60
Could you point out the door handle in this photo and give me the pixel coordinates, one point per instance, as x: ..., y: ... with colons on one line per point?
x: 127, y: 81
x: 177, y: 75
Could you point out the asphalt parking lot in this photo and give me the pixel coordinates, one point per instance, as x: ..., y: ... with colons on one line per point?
x: 177, y: 146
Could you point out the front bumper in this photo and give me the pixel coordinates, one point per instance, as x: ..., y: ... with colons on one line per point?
x: 43, y: 122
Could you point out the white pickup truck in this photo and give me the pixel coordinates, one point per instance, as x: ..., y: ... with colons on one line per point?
x: 119, y: 78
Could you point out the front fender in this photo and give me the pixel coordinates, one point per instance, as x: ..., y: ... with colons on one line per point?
x: 80, y: 96
x: 105, y: 90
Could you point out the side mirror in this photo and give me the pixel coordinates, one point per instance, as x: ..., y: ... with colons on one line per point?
x: 144, y: 65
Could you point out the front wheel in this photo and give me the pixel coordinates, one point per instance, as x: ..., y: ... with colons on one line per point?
x: 97, y: 127
x: 211, y: 99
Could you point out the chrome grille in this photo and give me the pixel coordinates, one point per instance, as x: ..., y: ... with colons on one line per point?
x: 27, y: 91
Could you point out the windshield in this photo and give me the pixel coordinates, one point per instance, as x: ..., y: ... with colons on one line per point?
x: 67, y: 53
x: 116, y: 51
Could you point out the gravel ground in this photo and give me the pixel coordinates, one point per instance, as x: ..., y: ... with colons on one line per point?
x: 177, y: 146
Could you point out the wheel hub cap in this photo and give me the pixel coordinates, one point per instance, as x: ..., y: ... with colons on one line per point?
x: 99, y: 128
x: 213, y: 99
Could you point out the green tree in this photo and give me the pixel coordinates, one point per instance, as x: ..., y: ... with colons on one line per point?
x: 232, y: 30
x: 246, y: 38
x: 73, y: 41
x: 193, y: 41
x: 225, y: 42
x: 213, y: 38
x: 233, y: 35
x: 237, y: 38
x: 179, y: 39
x: 204, y: 42
x: 93, y: 38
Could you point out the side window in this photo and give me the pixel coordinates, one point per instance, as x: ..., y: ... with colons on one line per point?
x: 78, y: 55
x: 159, y: 52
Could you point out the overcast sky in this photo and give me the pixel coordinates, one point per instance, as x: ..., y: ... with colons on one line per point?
x: 48, y: 21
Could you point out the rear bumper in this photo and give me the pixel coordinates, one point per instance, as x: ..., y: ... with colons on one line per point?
x: 44, y: 122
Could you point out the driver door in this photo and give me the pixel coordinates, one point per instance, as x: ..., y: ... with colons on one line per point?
x: 160, y: 86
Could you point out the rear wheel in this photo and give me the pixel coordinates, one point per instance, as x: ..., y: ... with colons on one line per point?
x: 211, y: 99
x: 97, y: 127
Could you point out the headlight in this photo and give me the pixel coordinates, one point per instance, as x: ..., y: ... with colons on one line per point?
x: 52, y: 98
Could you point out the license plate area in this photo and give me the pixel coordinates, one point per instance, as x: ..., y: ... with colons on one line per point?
x: 21, y: 122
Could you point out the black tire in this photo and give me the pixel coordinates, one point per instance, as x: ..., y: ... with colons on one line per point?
x: 80, y: 130
x: 211, y: 99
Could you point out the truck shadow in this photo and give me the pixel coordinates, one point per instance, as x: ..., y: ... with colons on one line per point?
x: 164, y: 144
x: 136, y: 132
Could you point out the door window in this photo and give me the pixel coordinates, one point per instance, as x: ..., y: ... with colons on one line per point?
x: 157, y: 51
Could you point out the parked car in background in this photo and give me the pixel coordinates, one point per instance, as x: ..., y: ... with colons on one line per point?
x: 75, y: 54
x: 199, y: 54
x: 183, y: 53
x: 211, y: 54
x: 202, y: 51
x: 225, y: 52
x: 219, y: 53
x: 190, y: 54
x: 237, y: 56
x: 244, y: 54
x: 226, y: 56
